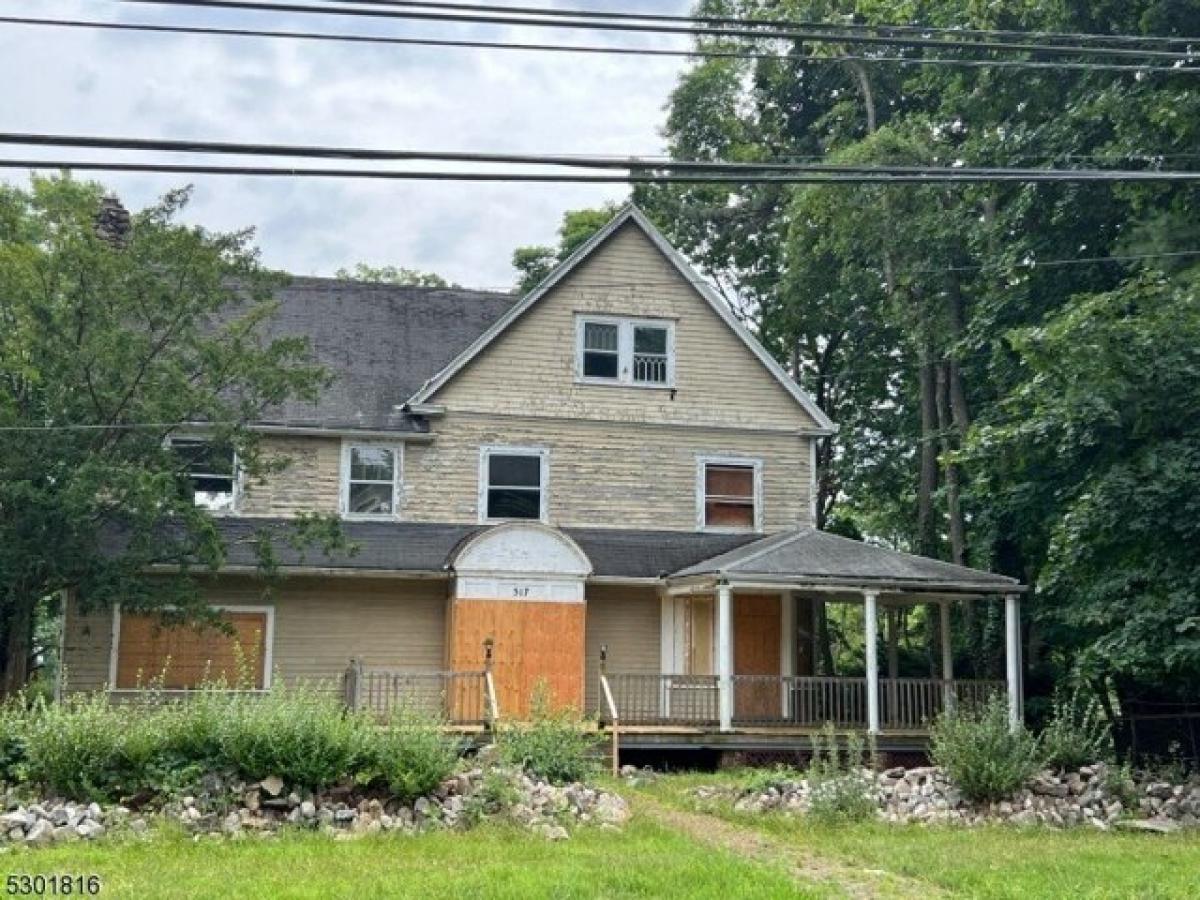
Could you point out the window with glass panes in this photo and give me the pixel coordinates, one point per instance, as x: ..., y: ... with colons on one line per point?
x: 210, y: 471
x: 515, y: 484
x: 371, y: 481
x: 626, y: 351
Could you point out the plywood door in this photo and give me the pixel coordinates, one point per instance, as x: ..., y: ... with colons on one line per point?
x: 756, y: 651
x: 533, y: 642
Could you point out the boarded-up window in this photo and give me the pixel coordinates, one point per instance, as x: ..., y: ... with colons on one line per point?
x: 729, y: 496
x: 177, y: 657
x: 698, y: 627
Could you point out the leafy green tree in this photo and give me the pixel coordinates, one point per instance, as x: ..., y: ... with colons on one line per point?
x: 110, y: 338
x: 534, y: 263
x: 393, y: 275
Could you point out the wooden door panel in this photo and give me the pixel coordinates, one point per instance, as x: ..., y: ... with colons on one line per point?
x: 756, y: 651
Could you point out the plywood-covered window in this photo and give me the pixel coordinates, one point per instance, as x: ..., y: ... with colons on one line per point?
x: 729, y: 494
x: 151, y: 652
x: 699, y: 641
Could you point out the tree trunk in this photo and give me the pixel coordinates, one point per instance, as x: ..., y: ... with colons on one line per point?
x: 926, y: 526
x: 17, y: 647
x: 958, y: 537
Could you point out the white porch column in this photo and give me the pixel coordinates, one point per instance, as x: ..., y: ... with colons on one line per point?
x: 725, y: 655
x: 787, y: 648
x: 947, y: 656
x: 870, y: 607
x: 1012, y: 656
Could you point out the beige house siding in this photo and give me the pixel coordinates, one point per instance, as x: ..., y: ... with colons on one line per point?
x: 308, y: 484
x: 604, y: 475
x: 530, y: 368
x: 628, y: 619
x: 320, y: 625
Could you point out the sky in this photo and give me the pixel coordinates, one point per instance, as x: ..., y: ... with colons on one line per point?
x: 68, y: 81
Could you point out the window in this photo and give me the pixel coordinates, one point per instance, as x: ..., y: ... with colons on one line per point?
x: 210, y: 472
x: 512, y: 483
x: 150, y: 653
x: 371, y: 479
x: 626, y: 351
x: 729, y: 494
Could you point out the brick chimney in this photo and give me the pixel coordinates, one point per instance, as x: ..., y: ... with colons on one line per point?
x: 113, y: 224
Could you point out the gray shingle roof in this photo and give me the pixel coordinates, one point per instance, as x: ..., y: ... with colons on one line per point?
x: 823, y: 557
x: 429, y: 547
x: 381, y: 342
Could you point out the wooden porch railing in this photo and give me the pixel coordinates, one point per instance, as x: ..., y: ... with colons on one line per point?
x: 458, y: 698
x: 906, y: 704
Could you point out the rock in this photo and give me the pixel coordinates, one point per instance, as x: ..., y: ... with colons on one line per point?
x: 89, y: 829
x: 251, y: 800
x: 1153, y: 826
x: 17, y: 819
x: 611, y: 810
x: 308, y: 809
x: 272, y: 785
x: 40, y: 833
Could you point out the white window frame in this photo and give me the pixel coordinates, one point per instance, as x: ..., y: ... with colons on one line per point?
x: 238, y: 475
x: 397, y: 449
x: 114, y: 654
x: 625, y: 326
x: 750, y: 462
x: 489, y: 450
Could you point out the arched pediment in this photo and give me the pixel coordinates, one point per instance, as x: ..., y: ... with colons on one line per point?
x: 521, y: 560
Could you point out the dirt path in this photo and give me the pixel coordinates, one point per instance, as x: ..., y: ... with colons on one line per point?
x: 806, y: 868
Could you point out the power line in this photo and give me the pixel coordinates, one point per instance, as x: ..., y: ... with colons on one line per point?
x: 630, y: 163
x: 591, y: 49
x: 939, y: 176
x: 688, y: 31
x: 775, y: 23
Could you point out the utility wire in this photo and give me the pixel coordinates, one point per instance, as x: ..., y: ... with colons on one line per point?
x: 689, y: 31
x: 630, y: 163
x: 139, y: 27
x: 776, y: 23
x: 941, y: 176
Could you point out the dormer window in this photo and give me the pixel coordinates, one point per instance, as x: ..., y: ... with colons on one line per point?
x: 635, y: 352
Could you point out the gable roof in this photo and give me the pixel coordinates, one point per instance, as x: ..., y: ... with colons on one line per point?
x: 629, y: 214
x: 380, y: 342
x: 822, y: 557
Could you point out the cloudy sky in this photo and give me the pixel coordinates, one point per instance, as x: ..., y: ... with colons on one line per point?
x: 273, y: 91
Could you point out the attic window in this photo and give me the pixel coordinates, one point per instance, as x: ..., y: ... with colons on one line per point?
x: 639, y: 352
x: 729, y: 494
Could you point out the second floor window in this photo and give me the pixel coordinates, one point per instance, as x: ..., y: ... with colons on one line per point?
x: 371, y: 479
x: 729, y: 494
x: 513, y: 483
x: 210, y: 472
x: 626, y: 351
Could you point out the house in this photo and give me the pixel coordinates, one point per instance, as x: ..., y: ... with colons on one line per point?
x: 611, y: 466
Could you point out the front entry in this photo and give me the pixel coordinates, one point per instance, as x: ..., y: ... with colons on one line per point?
x: 521, y: 587
x: 756, y: 651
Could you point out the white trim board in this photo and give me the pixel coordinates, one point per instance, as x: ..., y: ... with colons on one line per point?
x: 629, y: 214
x: 268, y: 643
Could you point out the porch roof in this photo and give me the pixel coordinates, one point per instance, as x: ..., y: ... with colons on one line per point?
x: 817, y: 557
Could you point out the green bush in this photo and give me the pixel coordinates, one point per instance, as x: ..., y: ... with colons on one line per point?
x: 1076, y: 734
x: 839, y: 789
x: 302, y: 735
x: 85, y: 747
x: 411, y: 754
x: 14, y: 722
x: 555, y: 745
x: 985, y: 757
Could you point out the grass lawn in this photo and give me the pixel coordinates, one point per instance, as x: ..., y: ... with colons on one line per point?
x: 644, y: 860
x: 985, y: 862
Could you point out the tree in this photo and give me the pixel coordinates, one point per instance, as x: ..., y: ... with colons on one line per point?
x: 393, y: 275
x: 114, y: 331
x: 534, y: 263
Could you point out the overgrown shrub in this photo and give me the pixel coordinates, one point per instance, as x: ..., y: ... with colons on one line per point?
x: 1077, y: 733
x: 300, y: 734
x: 85, y: 747
x: 411, y: 754
x: 986, y: 757
x: 555, y: 744
x: 760, y: 780
x: 14, y: 721
x: 839, y: 788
